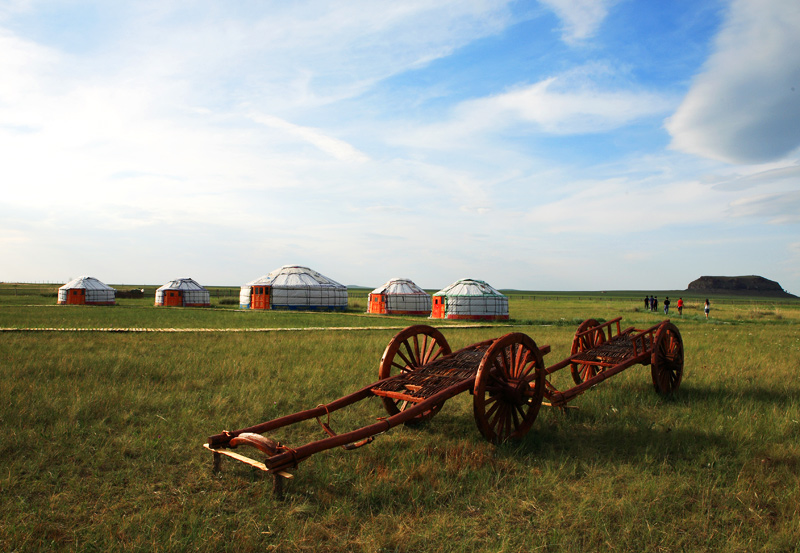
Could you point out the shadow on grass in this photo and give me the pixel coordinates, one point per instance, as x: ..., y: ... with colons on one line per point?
x: 752, y: 392
x: 616, y: 444
x: 594, y: 435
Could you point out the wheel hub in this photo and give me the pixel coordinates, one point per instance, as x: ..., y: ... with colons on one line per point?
x: 515, y: 391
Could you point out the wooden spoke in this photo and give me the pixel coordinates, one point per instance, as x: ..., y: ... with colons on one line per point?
x: 666, y: 362
x: 401, y: 368
x: 429, y: 350
x: 525, y: 365
x: 409, y: 350
x: 508, y: 388
x: 424, y: 349
x: 409, y: 360
x: 582, y: 372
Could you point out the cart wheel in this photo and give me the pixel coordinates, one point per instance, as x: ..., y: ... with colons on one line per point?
x: 509, y: 387
x: 666, y: 361
x: 582, y: 373
x: 412, y: 348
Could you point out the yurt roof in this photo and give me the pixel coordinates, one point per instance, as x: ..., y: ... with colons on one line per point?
x: 86, y: 282
x: 182, y: 284
x: 399, y: 286
x: 468, y: 287
x: 295, y: 276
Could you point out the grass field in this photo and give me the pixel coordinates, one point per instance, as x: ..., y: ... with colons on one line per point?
x: 102, y: 436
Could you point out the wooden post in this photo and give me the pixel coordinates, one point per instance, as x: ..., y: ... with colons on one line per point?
x: 277, y: 486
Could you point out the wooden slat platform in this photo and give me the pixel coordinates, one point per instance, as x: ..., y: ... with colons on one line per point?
x: 614, y: 352
x: 419, y: 385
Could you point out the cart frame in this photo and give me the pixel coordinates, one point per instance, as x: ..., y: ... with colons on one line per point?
x: 507, y: 377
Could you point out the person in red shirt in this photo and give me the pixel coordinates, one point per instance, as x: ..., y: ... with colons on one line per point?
x: 680, y: 306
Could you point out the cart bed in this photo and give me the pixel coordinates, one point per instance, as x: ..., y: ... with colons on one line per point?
x: 613, y: 352
x: 417, y: 386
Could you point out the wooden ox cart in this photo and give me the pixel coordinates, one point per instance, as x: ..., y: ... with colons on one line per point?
x: 506, y: 376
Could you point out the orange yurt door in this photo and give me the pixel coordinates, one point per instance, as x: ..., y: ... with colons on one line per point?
x: 76, y: 296
x: 438, y: 307
x: 259, y: 297
x: 173, y: 298
x: 377, y: 303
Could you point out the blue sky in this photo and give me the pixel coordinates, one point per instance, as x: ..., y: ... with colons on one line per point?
x: 554, y: 145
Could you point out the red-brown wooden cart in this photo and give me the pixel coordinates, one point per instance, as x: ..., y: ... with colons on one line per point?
x: 506, y: 376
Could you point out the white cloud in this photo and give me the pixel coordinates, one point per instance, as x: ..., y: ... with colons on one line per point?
x: 783, y: 208
x: 577, y: 102
x: 779, y: 175
x: 278, y: 56
x: 744, y: 107
x: 777, y: 185
x: 18, y: 81
x: 616, y: 207
x: 167, y: 99
x: 339, y: 149
x: 557, y: 109
x: 13, y: 236
x: 581, y: 18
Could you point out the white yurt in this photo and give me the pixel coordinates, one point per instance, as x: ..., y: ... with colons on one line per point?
x: 183, y: 292
x: 469, y: 299
x: 293, y: 287
x: 86, y: 290
x: 399, y: 296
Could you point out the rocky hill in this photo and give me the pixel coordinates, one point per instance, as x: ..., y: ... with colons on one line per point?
x: 745, y: 285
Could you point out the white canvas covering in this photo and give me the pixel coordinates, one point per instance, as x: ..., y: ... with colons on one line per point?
x: 296, y: 287
x: 96, y: 291
x: 193, y: 293
x: 468, y: 297
x: 403, y: 295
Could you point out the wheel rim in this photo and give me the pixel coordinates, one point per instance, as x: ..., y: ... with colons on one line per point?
x: 508, y: 388
x: 409, y: 350
x: 580, y: 372
x: 666, y: 364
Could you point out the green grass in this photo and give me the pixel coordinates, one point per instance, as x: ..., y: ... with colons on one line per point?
x: 102, y: 435
x: 69, y: 316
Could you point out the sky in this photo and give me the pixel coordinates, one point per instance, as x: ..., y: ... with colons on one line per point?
x: 551, y: 145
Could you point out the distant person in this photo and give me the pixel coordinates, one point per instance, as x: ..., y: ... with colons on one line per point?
x: 666, y: 306
x: 655, y: 303
x: 647, y: 302
x: 680, y: 307
x: 707, y: 307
